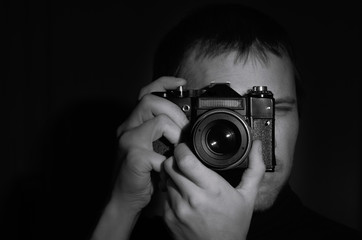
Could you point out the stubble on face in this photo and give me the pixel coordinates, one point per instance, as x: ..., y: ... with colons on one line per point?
x: 276, y: 73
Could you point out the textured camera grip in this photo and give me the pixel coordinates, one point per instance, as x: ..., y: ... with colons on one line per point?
x: 263, y: 130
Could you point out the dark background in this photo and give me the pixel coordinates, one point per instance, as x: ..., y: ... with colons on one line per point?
x: 73, y: 69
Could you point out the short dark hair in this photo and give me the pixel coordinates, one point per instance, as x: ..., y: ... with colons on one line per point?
x: 221, y: 28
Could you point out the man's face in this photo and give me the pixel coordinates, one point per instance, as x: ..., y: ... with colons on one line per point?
x: 277, y: 74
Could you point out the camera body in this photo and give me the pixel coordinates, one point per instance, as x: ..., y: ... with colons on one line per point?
x: 223, y: 124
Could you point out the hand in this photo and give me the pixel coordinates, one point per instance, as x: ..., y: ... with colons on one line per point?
x: 153, y: 118
x: 203, y: 205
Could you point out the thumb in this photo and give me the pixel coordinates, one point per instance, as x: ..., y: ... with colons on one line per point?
x: 254, y: 173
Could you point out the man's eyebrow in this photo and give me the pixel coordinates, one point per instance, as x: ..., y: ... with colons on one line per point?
x: 288, y: 100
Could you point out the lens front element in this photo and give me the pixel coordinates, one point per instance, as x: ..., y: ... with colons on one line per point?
x: 221, y: 139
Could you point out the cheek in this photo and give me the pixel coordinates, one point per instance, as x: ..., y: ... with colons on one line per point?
x: 286, y: 132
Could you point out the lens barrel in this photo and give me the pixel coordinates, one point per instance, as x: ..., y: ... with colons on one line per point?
x: 221, y: 139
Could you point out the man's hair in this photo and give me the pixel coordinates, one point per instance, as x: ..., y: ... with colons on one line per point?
x: 222, y: 28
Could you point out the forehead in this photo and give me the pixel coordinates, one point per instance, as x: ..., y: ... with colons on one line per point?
x: 276, y: 73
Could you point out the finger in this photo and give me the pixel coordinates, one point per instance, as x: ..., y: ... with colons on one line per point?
x: 144, y: 160
x: 136, y: 168
x: 175, y: 198
x: 144, y: 135
x: 169, y: 215
x: 176, y: 203
x: 193, y: 169
x: 184, y: 185
x: 151, y: 106
x: 161, y: 84
x: 254, y: 173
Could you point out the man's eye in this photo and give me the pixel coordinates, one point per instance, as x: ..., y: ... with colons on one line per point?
x: 282, y: 110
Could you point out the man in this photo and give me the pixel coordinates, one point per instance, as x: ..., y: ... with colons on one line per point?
x: 219, y: 43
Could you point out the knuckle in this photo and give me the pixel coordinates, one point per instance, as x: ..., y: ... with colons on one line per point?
x: 163, y: 120
x: 216, y: 193
x: 120, y: 130
x: 133, y: 155
x: 143, y: 92
x: 124, y: 140
x: 162, y: 80
x: 187, y: 161
x: 196, y: 202
x: 168, y: 216
x: 127, y: 139
x: 132, y: 161
x: 182, y: 212
x: 146, y: 99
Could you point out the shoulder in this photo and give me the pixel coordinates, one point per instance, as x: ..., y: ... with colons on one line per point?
x: 313, y: 224
x: 289, y: 218
x: 307, y: 223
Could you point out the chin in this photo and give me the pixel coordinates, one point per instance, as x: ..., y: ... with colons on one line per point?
x: 269, y: 189
x: 265, y: 200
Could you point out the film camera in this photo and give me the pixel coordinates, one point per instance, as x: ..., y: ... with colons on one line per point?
x: 223, y: 124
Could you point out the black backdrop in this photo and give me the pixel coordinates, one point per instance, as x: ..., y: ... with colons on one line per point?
x: 73, y: 69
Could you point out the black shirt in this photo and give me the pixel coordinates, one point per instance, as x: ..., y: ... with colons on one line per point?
x: 287, y: 219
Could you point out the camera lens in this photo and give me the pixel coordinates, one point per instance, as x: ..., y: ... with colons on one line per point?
x: 223, y: 138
